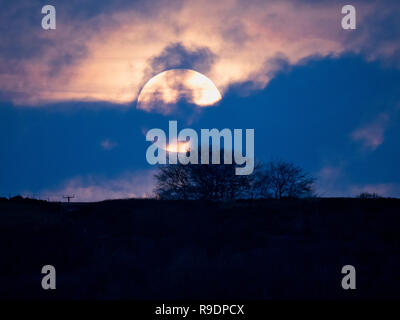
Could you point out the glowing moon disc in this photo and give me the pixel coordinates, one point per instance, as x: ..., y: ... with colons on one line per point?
x: 168, y: 87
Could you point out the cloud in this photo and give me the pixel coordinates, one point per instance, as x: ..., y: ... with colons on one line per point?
x: 329, y: 179
x: 371, y: 135
x: 382, y: 189
x: 330, y: 172
x: 178, y: 56
x: 332, y: 181
x: 107, y: 51
x: 87, y: 189
x: 107, y: 144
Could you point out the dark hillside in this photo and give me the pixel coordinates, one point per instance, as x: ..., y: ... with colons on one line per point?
x: 148, y: 249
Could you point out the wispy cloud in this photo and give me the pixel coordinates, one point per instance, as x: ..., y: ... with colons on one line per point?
x: 332, y: 181
x: 108, y: 52
x: 382, y: 189
x: 87, y: 189
x: 371, y: 135
x: 328, y: 182
x: 108, y: 144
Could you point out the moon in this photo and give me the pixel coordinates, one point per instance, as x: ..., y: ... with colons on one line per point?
x: 178, y: 147
x: 165, y: 89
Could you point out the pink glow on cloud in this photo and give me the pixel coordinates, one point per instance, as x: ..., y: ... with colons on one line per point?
x: 330, y: 183
x: 328, y: 178
x: 372, y: 135
x: 111, y: 51
x: 88, y: 189
x: 107, y: 144
x: 382, y: 189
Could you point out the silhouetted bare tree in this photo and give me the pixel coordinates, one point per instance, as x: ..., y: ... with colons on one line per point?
x: 174, y: 182
x: 201, y: 181
x: 277, y: 179
x: 282, y: 179
x: 259, y: 183
x: 217, y: 182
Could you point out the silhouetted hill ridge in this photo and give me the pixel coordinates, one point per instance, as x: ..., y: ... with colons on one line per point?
x: 150, y: 249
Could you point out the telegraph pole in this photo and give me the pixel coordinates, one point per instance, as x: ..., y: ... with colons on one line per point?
x: 69, y: 197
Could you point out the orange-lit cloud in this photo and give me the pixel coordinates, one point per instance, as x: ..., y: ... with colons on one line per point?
x: 179, y: 147
x: 107, y: 57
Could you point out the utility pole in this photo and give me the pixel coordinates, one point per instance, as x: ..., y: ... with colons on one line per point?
x: 69, y: 197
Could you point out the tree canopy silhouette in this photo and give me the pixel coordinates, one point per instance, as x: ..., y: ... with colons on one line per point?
x: 201, y: 181
x: 282, y: 179
x: 276, y: 179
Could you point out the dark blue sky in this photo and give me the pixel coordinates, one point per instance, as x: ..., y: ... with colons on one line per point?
x: 336, y: 115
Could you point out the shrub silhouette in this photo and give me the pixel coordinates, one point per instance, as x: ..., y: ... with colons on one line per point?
x: 369, y: 195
